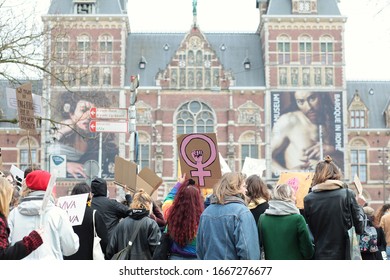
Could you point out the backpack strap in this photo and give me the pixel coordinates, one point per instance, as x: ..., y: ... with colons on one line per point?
x: 135, y: 232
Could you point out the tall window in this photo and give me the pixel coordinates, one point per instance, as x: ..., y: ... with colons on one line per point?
x: 24, y: 153
x: 283, y: 76
x: 62, y: 49
x: 105, y: 46
x: 249, y: 147
x: 326, y: 51
x: 194, y: 117
x: 305, y: 50
x: 357, y: 119
x: 359, y: 164
x: 143, y: 151
x: 284, y: 50
x: 83, y: 48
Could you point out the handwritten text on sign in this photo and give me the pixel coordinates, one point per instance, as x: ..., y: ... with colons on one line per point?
x: 74, y: 205
x: 25, y: 107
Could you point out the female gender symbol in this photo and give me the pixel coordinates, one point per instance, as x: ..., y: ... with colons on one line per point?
x: 197, y: 155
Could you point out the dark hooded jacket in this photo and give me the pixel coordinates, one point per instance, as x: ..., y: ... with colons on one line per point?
x: 145, y: 242
x: 329, y: 213
x: 111, y: 210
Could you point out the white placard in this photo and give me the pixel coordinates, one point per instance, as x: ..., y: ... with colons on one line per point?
x: 74, y: 205
x: 253, y: 166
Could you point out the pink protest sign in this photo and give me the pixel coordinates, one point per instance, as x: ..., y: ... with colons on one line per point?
x: 199, y: 158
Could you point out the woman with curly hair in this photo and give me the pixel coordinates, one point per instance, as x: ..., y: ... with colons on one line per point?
x: 182, y: 209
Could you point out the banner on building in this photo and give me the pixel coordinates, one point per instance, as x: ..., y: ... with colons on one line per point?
x: 306, y: 126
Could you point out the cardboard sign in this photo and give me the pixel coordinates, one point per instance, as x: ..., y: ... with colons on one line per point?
x: 300, y: 182
x: 199, y: 158
x: 358, y: 184
x: 127, y: 177
x: 253, y: 166
x: 12, y: 102
x: 74, y: 205
x: 125, y: 173
x: 25, y: 107
x: 148, y: 180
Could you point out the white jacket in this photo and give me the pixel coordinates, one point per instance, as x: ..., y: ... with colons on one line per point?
x: 59, y: 238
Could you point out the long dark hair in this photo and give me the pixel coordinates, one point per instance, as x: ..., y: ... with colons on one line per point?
x: 184, y: 215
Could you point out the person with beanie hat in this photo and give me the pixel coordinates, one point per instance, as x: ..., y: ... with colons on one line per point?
x: 112, y: 211
x: 28, y: 243
x: 59, y: 239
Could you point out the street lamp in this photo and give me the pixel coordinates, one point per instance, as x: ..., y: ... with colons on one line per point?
x: 383, y: 159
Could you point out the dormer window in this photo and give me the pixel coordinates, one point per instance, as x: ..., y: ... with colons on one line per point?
x: 304, y: 6
x: 84, y: 6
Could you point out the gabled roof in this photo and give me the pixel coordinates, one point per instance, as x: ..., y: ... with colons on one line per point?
x: 238, y: 47
x: 377, y: 103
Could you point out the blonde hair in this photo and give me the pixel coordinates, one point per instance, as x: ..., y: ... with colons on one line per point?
x: 6, y: 192
x: 283, y: 192
x: 141, y: 200
x: 228, y: 185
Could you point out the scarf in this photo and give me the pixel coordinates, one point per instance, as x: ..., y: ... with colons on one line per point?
x: 328, y: 185
x: 255, y: 202
x: 281, y: 208
x: 229, y: 199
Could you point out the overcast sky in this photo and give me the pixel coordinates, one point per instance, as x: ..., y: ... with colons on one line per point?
x: 367, y: 31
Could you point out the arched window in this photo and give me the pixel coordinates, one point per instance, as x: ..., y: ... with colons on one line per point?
x: 105, y: 49
x: 248, y: 146
x: 195, y: 117
x: 24, y: 152
x: 284, y: 50
x: 305, y: 50
x: 83, y: 48
x: 327, y: 50
x: 62, y: 49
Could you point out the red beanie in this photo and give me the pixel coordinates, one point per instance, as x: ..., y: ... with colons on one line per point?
x: 38, y: 180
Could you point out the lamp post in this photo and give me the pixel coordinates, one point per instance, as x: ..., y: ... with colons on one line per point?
x: 383, y: 159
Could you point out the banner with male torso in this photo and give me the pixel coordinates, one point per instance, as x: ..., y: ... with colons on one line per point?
x: 306, y: 126
x: 199, y: 158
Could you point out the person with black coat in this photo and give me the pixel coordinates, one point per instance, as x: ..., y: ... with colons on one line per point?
x: 112, y: 211
x: 85, y: 231
x: 330, y: 210
x: 148, y: 235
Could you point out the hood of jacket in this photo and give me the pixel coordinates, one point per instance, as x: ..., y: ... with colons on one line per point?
x: 31, y: 204
x: 99, y: 187
x: 138, y: 214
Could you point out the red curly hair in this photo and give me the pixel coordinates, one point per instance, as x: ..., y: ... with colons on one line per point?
x: 185, y: 212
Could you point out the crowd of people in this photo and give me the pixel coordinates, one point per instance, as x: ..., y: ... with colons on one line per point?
x: 242, y: 219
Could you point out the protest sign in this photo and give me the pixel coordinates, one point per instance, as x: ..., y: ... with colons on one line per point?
x: 74, y: 205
